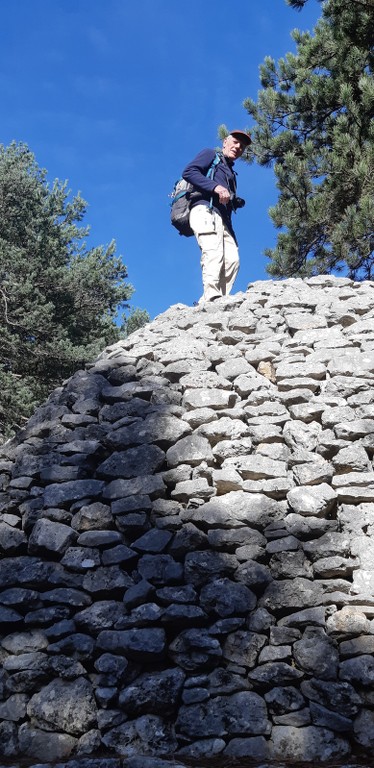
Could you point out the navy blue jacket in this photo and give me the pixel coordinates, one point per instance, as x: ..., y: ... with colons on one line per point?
x: 224, y: 174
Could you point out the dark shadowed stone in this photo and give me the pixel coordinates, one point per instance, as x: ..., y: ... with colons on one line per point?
x: 147, y: 735
x: 187, y: 539
x: 328, y: 545
x: 91, y: 517
x: 154, y: 541
x: 37, y: 743
x: 225, y: 626
x: 66, y: 667
x: 317, y: 654
x: 160, y: 569
x: 14, y: 709
x: 289, y: 565
x: 243, y: 712
x: 143, y: 644
x: 359, y: 670
x: 142, y: 616
x: 357, y: 646
x: 138, y: 594
x: 78, y: 645
x: 76, y: 710
x: 81, y: 559
x: 274, y: 673
x: 284, y: 699
x: 108, y: 664
x: 225, y: 597
x: 222, y: 681
x: 43, y: 617
x: 133, y: 523
x: 243, y: 648
x: 99, y: 538
x: 260, y: 620
x: 298, y: 719
x: 105, y: 580
x: 275, y: 653
x: 283, y: 635
x: 84, y: 447
x: 153, y: 692
x: 255, y: 748
x: 204, y: 748
x: 328, y: 719
x: 120, y: 555
x: 73, y: 597
x: 27, y: 681
x: 175, y: 595
x: 60, y: 629
x: 18, y: 597
x: 58, y: 494
x: 51, y: 537
x: 311, y: 616
x: 10, y: 616
x: 184, y: 615
x: 291, y: 594
x: 230, y: 540
x: 140, y: 503
x: 142, y: 460
x: 103, y: 614
x: 24, y: 661
x: 254, y: 575
x: 195, y: 649
x: 134, y: 407
x: 113, y: 394
x: 146, y: 485
x: 201, y: 567
x: 364, y: 728
x: 150, y: 762
x: 155, y: 428
x: 12, y: 539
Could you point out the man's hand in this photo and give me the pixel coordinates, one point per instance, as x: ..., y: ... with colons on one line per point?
x: 223, y: 194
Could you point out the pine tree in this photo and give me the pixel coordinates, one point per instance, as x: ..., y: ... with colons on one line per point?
x: 137, y: 318
x: 58, y: 300
x: 315, y: 122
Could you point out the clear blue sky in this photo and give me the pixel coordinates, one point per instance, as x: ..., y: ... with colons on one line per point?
x: 117, y: 96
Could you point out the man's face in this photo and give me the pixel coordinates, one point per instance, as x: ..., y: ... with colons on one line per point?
x: 233, y: 147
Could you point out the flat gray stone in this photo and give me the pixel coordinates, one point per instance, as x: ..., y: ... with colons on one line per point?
x: 141, y: 460
x: 308, y: 743
x: 312, y: 500
x: 190, y: 450
x: 243, y: 712
x: 59, y: 494
x: 76, y: 711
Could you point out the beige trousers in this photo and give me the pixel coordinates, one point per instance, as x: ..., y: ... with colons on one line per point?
x: 219, y: 252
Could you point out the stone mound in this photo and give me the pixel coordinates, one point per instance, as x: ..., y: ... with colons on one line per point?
x: 187, y: 539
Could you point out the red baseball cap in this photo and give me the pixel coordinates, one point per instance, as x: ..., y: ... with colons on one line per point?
x: 242, y: 136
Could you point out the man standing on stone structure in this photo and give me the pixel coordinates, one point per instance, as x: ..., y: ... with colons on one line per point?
x: 211, y: 211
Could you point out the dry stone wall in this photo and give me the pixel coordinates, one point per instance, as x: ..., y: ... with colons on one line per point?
x: 187, y: 539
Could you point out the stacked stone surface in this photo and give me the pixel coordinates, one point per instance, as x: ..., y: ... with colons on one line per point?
x: 187, y: 539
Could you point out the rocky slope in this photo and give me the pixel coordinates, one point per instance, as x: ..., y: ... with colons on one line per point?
x: 187, y: 539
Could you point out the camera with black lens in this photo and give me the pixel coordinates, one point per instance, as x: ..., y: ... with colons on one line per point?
x: 237, y: 202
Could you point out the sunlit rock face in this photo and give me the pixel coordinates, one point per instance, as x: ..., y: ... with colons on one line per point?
x: 187, y: 539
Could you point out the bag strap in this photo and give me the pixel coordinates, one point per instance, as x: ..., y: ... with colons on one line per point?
x: 217, y: 159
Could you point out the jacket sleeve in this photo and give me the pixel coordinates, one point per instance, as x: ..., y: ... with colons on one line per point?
x: 195, y: 172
